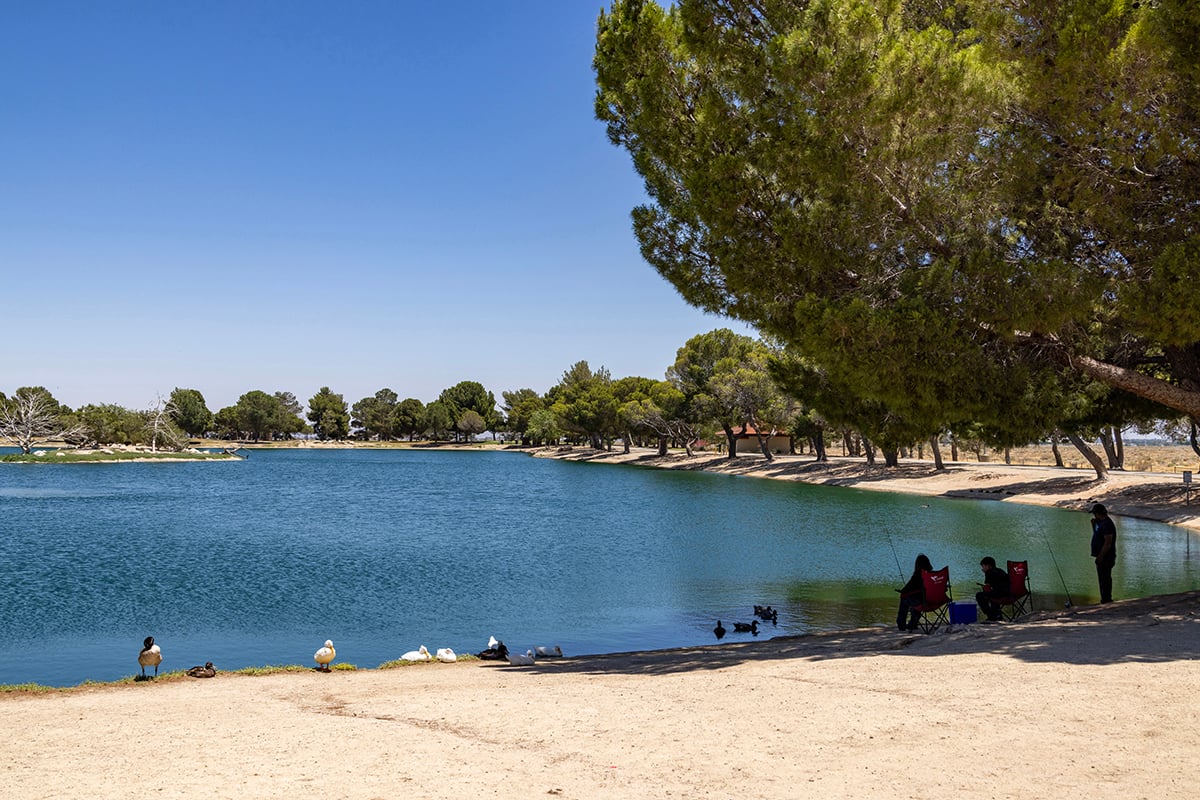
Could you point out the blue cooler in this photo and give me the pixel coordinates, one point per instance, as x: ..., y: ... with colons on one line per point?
x: 963, y: 612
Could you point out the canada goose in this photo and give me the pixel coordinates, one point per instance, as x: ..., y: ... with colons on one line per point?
x: 324, y: 656
x: 150, y: 656
x: 742, y: 627
x: 548, y: 652
x: 446, y: 655
x: 421, y: 654
x: 719, y: 630
x: 207, y: 671
x: 518, y: 660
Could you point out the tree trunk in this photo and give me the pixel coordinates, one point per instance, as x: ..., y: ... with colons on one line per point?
x: 662, y: 446
x: 953, y: 447
x: 937, y: 453
x: 891, y: 458
x: 1119, y: 446
x: 818, y: 445
x: 1091, y: 455
x: 1110, y: 450
x: 1139, y: 384
x: 626, y: 439
x: 763, y: 444
x: 1194, y: 437
x: 1058, y: 462
x: 870, y: 451
x: 731, y: 441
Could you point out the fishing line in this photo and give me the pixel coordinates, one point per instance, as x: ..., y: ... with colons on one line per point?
x: 1060, y: 575
x: 899, y: 569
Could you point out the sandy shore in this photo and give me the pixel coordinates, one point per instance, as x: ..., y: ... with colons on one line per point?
x: 1146, y: 495
x: 1093, y: 702
x: 1096, y: 702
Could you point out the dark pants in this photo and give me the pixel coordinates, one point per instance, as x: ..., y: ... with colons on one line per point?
x: 989, y: 607
x: 907, y: 609
x: 1104, y: 574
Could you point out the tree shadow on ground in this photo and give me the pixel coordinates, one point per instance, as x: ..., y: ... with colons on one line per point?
x: 1147, y: 630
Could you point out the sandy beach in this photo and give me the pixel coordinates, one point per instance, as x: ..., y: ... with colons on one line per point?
x: 1089, y: 702
x: 1096, y: 702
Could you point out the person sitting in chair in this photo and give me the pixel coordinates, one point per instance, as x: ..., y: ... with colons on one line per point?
x: 994, y: 589
x: 913, y: 595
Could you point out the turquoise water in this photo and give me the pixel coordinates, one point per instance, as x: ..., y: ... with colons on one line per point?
x: 258, y: 562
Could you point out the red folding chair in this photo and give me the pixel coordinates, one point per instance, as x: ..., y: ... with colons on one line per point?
x: 1019, y: 601
x: 934, y: 609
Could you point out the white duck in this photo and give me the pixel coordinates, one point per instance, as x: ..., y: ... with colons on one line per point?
x: 421, y: 654
x: 150, y: 656
x: 324, y: 656
x: 445, y: 654
x: 518, y: 660
x: 548, y: 652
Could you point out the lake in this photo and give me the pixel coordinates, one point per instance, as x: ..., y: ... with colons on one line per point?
x: 258, y: 562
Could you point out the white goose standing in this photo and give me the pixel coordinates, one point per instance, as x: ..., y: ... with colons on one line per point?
x: 325, y: 656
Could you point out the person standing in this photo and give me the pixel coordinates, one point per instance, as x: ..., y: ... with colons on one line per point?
x: 1104, y: 549
x: 913, y: 595
x: 994, y: 589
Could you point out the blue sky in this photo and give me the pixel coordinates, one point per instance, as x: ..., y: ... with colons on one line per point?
x: 230, y: 196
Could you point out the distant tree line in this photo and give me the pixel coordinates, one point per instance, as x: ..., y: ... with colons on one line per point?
x: 724, y: 391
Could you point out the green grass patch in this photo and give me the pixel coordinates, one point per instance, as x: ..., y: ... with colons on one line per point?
x: 71, y: 457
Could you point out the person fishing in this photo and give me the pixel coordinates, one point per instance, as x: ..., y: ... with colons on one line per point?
x: 994, y: 589
x: 1104, y: 549
x: 912, y: 595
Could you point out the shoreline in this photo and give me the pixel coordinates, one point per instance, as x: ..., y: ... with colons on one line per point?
x: 1159, y: 497
x: 1002, y: 710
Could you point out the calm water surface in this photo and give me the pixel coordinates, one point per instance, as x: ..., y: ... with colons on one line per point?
x: 258, y: 562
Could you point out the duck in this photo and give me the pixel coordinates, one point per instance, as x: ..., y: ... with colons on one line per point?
x: 743, y: 627
x: 548, y: 652
x: 420, y: 654
x: 446, y: 655
x: 518, y: 660
x: 767, y: 613
x: 151, y: 656
x: 324, y: 656
x: 719, y: 630
x: 497, y: 651
x: 207, y: 671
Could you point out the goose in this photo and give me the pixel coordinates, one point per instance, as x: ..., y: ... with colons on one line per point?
x: 493, y: 642
x: 743, y: 627
x: 446, y: 655
x: 548, y: 652
x: 324, y: 656
x: 421, y: 654
x: 719, y: 630
x: 497, y: 651
x: 518, y: 660
x: 207, y: 671
x: 150, y: 656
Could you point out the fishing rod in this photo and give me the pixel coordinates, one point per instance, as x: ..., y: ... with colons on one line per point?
x: 895, y: 556
x: 1060, y: 575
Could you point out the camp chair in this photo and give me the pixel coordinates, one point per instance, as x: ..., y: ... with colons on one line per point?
x: 1019, y: 601
x: 936, y: 605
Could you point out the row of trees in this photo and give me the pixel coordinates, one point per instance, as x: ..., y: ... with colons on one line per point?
x: 722, y: 386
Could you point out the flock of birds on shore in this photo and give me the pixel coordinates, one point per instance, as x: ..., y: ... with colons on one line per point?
x: 151, y: 653
x: 151, y: 656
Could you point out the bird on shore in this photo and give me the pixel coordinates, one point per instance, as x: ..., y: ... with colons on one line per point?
x: 518, y: 660
x: 719, y: 630
x: 420, y: 654
x: 743, y: 627
x: 446, y: 655
x: 325, y: 656
x: 207, y: 671
x: 496, y: 651
x: 151, y: 656
x: 548, y: 652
